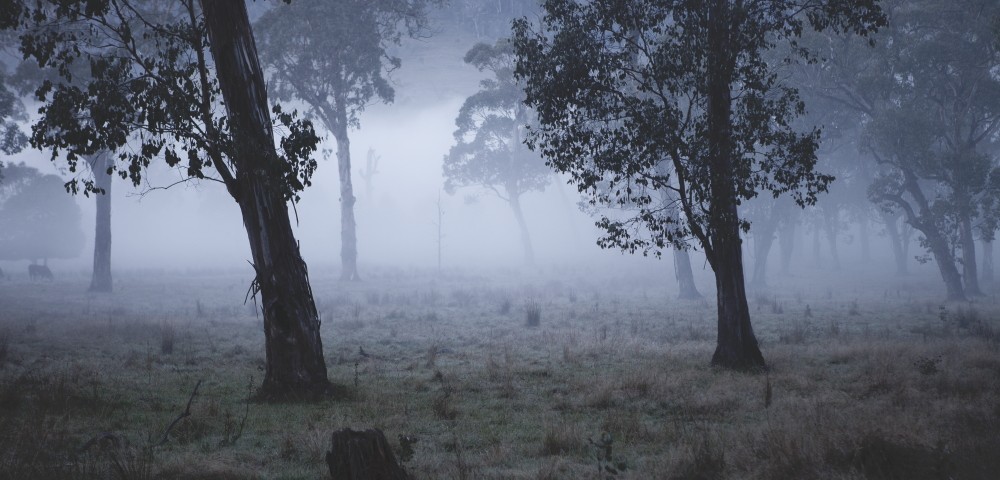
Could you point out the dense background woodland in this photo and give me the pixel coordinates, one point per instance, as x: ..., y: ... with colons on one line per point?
x: 600, y: 239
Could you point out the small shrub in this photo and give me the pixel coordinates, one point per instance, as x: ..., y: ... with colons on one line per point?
x: 167, y: 335
x: 431, y: 357
x: 443, y: 408
x: 561, y: 439
x: 532, y: 314
x: 928, y: 365
x: 853, y: 308
x: 505, y: 306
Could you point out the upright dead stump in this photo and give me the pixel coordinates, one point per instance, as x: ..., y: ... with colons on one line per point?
x: 363, y: 455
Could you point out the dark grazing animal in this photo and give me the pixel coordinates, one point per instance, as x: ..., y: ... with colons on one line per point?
x: 40, y: 272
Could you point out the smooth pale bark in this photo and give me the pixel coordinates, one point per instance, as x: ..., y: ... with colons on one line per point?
x: 515, y: 206
x: 100, y: 280
x: 736, y: 345
x: 294, y: 349
x: 348, y: 225
x: 685, y: 276
x: 969, y: 267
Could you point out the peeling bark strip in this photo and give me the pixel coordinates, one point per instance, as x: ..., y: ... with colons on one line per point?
x: 100, y: 280
x: 294, y: 349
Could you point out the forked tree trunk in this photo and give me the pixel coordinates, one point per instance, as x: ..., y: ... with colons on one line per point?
x: 100, y: 280
x: 515, y: 206
x: 684, y: 275
x: 924, y: 220
x: 787, y: 240
x: 896, y: 242
x: 294, y: 350
x: 969, y: 267
x: 736, y: 345
x: 348, y: 225
x: 946, y: 265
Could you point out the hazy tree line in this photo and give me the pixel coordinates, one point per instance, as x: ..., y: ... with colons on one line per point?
x: 683, y: 125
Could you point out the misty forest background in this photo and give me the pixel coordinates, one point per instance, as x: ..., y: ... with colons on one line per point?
x: 523, y: 239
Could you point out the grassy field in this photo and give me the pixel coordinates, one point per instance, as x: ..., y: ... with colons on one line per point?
x: 870, y: 378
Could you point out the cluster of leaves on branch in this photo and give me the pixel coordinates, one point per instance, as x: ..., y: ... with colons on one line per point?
x: 334, y: 55
x: 622, y: 89
x: 135, y: 77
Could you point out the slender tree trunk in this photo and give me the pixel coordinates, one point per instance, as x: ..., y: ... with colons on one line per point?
x: 969, y: 267
x: 787, y: 240
x: 988, y: 263
x: 817, y: 251
x: 831, y: 225
x: 294, y: 349
x: 736, y: 345
x: 515, y: 206
x: 100, y: 280
x: 866, y: 253
x: 896, y: 242
x: 348, y: 226
x: 763, y: 240
x: 684, y: 275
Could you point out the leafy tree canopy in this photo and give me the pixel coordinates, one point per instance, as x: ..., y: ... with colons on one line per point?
x: 150, y: 92
x: 623, y: 87
x: 334, y: 54
x: 490, y: 149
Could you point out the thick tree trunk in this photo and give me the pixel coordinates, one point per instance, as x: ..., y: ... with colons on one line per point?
x: 100, y: 280
x: 515, y: 206
x: 348, y: 226
x: 684, y: 275
x: 946, y: 264
x: 362, y: 455
x: 736, y: 345
x: 969, y: 267
x: 787, y: 240
x: 925, y: 220
x: 988, y: 263
x: 294, y: 349
x: 896, y: 242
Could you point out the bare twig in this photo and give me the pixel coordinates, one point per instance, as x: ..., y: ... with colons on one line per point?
x: 185, y: 413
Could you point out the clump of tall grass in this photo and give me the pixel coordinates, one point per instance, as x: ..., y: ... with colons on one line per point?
x: 532, y: 314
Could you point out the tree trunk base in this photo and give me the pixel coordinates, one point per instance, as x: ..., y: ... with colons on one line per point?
x: 363, y: 455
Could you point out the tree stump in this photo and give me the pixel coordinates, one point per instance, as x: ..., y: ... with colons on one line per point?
x: 363, y: 455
